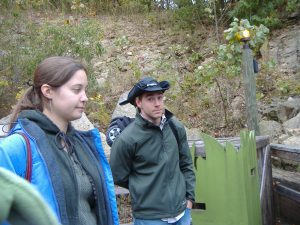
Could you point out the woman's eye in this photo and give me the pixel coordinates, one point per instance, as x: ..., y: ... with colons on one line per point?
x: 77, y: 90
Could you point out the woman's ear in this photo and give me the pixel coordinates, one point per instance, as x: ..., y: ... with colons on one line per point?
x: 46, y: 91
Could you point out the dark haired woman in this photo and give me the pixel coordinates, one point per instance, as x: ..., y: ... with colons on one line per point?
x: 69, y: 167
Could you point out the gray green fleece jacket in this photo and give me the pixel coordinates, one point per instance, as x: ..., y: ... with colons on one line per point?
x: 21, y: 203
x: 156, y: 169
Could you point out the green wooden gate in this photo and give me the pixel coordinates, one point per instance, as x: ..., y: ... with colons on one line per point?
x: 227, y: 183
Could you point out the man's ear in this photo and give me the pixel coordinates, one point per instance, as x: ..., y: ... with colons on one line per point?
x: 46, y: 91
x: 138, y: 101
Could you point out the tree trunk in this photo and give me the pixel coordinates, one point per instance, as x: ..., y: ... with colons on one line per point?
x: 216, y: 22
x: 167, y: 4
x: 222, y: 4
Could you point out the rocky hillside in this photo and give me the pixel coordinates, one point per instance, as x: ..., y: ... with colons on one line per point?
x: 136, y: 46
x: 145, y: 45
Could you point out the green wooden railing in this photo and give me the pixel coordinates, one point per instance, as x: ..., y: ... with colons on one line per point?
x: 227, y: 183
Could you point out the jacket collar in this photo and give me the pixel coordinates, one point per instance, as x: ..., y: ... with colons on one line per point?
x: 146, y: 123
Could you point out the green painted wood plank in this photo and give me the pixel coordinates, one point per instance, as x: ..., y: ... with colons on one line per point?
x: 227, y: 182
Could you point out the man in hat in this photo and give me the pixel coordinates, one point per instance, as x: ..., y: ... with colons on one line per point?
x: 151, y: 158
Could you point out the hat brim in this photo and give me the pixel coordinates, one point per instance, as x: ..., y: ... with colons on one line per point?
x: 136, y: 91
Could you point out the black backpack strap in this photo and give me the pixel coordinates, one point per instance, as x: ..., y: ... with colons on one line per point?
x: 174, y: 130
x: 116, y: 126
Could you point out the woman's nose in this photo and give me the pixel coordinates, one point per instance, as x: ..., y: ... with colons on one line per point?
x: 84, y: 97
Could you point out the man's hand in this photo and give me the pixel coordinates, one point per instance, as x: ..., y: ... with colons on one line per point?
x: 189, y: 204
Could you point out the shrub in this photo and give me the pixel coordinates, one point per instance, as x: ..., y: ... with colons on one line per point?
x: 268, y: 13
x: 27, y: 42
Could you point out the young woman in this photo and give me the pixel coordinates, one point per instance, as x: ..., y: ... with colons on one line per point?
x: 69, y: 167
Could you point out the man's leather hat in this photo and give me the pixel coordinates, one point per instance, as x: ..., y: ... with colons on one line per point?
x: 147, y: 84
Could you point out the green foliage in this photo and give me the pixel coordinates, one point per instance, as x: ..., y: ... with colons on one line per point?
x: 284, y: 86
x: 186, y: 13
x: 161, y: 20
x: 292, y: 5
x: 189, y: 85
x: 189, y: 15
x: 137, y: 73
x: 122, y: 41
x: 195, y: 57
x: 219, y: 72
x: 204, y: 78
x: 183, y: 3
x: 8, y: 86
x: 229, y: 55
x: 96, y: 109
x: 136, y: 6
x: 3, y: 84
x: 233, y: 36
x: 16, y: 5
x: 178, y: 50
x: 78, y: 7
x: 30, y: 42
x: 287, y: 87
x: 271, y: 21
x: 264, y: 12
x: 266, y: 81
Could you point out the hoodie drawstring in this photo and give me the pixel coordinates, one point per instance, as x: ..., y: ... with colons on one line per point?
x: 62, y: 141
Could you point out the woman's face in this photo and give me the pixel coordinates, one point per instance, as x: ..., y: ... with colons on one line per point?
x: 69, y: 100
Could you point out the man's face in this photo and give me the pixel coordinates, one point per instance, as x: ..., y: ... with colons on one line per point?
x: 151, y: 105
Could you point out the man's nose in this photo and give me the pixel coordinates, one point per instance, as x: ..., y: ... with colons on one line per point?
x: 157, y: 101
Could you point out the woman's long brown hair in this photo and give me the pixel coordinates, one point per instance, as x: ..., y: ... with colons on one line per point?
x: 54, y: 71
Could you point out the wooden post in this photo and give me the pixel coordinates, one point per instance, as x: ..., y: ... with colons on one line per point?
x: 250, y: 89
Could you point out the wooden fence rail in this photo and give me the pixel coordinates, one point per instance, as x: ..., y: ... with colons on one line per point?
x: 286, y: 184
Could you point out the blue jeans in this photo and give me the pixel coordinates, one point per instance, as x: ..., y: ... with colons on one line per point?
x: 185, y: 220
